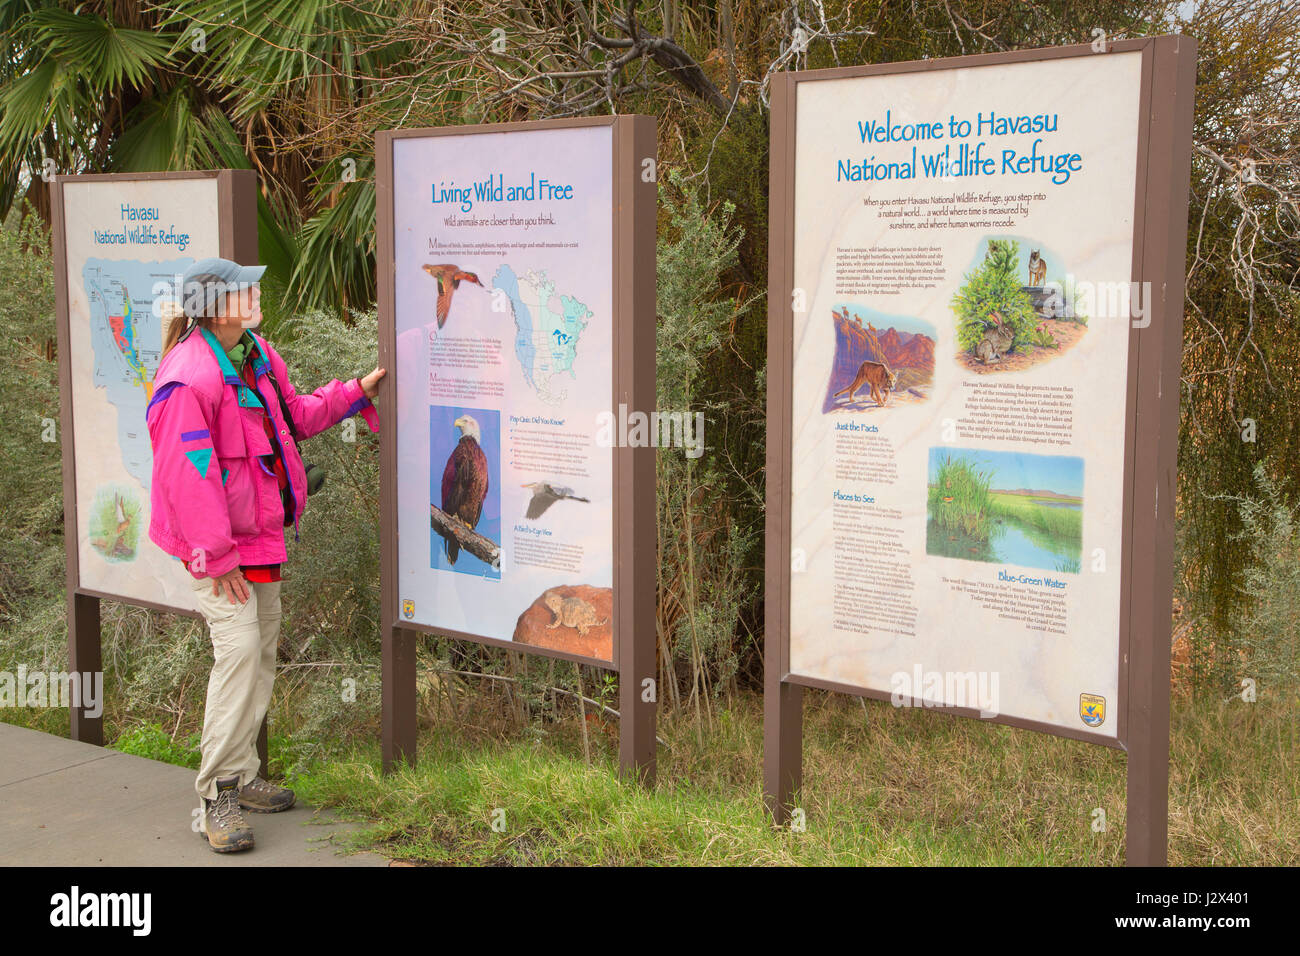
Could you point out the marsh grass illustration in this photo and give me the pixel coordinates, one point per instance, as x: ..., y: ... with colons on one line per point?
x: 969, y: 519
x: 959, y: 500
x: 1069, y: 565
x: 1038, y: 513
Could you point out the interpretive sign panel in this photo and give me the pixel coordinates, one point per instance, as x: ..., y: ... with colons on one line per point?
x: 517, y: 324
x: 965, y: 318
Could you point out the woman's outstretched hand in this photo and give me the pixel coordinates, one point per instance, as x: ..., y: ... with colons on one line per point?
x: 370, y: 384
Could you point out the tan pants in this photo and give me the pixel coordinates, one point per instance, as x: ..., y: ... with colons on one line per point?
x: 244, y: 639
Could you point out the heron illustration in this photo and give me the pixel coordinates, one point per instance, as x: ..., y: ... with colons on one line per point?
x: 546, y: 494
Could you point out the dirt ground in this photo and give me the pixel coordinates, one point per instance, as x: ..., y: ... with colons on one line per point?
x: 1066, y: 334
x: 863, y: 402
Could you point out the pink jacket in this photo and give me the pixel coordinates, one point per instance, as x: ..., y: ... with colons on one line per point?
x: 212, y: 497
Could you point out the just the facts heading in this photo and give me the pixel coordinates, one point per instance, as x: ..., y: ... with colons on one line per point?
x: 967, y: 149
x: 494, y: 189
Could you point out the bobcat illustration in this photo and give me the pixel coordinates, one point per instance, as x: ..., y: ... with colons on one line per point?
x: 1037, y: 269
x: 996, y: 341
x: 879, y: 376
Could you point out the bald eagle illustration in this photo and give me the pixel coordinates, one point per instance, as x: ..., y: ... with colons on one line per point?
x: 449, y: 278
x: 546, y: 494
x: 464, y: 482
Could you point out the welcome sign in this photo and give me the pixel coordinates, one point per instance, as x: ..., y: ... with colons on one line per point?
x: 974, y: 297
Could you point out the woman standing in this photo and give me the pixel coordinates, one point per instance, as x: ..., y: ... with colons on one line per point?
x: 225, y: 423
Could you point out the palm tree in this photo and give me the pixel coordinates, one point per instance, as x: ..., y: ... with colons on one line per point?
x: 122, y: 87
x: 69, y: 80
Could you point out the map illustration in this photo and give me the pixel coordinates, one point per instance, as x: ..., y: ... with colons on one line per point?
x: 547, y: 329
x: 126, y: 336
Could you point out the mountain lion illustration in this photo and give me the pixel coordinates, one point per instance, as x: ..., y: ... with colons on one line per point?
x: 879, y: 376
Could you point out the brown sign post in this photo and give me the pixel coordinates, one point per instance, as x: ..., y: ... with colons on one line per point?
x: 1163, y: 83
x: 132, y: 225
x: 426, y: 159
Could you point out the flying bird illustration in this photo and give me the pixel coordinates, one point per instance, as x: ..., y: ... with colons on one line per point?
x: 449, y: 278
x: 464, y: 482
x: 546, y: 494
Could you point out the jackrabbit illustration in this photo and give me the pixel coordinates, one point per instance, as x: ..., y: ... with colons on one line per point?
x: 996, y: 342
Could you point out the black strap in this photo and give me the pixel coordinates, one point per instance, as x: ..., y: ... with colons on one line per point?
x: 284, y: 408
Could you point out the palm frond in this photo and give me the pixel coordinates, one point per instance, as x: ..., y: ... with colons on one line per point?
x: 336, y: 264
x: 101, y: 53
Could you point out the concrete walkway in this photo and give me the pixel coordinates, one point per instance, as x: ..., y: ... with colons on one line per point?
x: 64, y: 803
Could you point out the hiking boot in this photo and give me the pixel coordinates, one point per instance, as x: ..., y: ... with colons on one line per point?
x: 261, y: 797
x: 223, y: 824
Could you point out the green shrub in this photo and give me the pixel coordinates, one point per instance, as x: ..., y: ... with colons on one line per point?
x: 993, y: 286
x: 32, y: 613
x: 1266, y: 626
x: 702, y: 547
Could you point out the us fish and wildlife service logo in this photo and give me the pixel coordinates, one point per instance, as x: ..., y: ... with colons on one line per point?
x: 1092, y: 709
x: 408, y: 608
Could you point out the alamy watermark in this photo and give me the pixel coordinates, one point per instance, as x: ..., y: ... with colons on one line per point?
x: 1099, y: 300
x: 657, y: 429
x: 133, y: 911
x: 24, y: 688
x: 976, y: 690
x: 175, y: 296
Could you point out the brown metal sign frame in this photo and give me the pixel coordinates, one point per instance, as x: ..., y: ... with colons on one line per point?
x: 237, y: 232
x: 1168, y: 72
x: 633, y: 386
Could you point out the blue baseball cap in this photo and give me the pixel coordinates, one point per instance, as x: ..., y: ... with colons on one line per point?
x: 208, y: 279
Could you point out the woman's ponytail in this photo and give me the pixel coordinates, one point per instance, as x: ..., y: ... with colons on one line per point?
x: 174, y: 321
